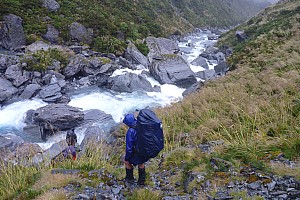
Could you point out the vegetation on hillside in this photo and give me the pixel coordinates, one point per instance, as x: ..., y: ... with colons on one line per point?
x: 136, y: 19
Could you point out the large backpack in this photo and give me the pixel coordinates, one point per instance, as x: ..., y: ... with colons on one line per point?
x: 150, y: 138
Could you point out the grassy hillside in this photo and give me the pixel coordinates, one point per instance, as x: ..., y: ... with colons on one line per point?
x: 255, y: 108
x: 137, y: 19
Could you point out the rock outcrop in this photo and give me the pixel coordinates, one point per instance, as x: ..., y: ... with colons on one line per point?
x: 11, y: 32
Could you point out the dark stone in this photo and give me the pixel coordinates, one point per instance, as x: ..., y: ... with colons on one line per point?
x: 7, y: 90
x: 221, y: 68
x: 80, y: 33
x: 200, y: 61
x: 51, y: 5
x: 130, y: 82
x: 30, y: 91
x: 135, y: 56
x: 241, y: 35
x: 193, y: 88
x: 173, y: 69
x: 12, y: 34
x: 52, y: 34
x: 51, y: 93
x: 58, y: 117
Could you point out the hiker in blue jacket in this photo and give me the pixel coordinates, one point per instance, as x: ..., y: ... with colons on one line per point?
x: 131, y: 158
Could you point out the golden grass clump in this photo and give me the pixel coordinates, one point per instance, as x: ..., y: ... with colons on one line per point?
x: 53, y: 195
x: 49, y: 181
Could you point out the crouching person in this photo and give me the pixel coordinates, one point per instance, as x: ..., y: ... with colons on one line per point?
x: 71, y: 151
x: 131, y: 158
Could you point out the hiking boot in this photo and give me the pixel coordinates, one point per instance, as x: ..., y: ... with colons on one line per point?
x: 142, y: 176
x: 129, y: 176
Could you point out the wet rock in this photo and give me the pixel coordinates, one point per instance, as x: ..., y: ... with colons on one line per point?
x: 130, y: 82
x: 30, y: 91
x: 51, y: 93
x: 173, y: 69
x: 7, y: 90
x: 200, y: 61
x: 135, y: 56
x: 58, y: 117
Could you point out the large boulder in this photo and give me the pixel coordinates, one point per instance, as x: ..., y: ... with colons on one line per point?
x: 76, y: 64
x: 221, y: 68
x: 22, y: 154
x: 7, y: 90
x: 51, y: 93
x: 200, y: 61
x: 173, y: 69
x: 206, y: 74
x: 30, y: 91
x: 80, y: 33
x: 209, y: 53
x: 160, y: 46
x: 10, y: 142
x: 11, y: 32
x: 130, y: 82
x: 51, y: 5
x: 135, y: 56
x: 17, y: 75
x: 58, y: 117
x: 96, y: 66
x: 14, y: 149
x: 52, y: 34
x: 8, y: 60
x: 93, y: 134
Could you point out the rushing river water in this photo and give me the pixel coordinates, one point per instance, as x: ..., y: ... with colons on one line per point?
x: 117, y: 104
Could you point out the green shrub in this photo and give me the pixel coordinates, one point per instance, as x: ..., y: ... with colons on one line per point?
x: 108, y: 44
x: 40, y: 60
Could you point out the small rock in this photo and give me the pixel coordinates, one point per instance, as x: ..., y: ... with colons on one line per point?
x: 84, y: 196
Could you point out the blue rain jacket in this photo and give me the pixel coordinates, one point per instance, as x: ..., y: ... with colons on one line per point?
x: 131, y: 139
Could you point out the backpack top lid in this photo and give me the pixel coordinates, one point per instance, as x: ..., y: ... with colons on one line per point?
x: 147, y: 116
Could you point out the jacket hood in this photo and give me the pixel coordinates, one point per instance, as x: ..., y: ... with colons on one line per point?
x: 129, y: 120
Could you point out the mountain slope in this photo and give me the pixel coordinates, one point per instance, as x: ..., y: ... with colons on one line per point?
x: 135, y: 18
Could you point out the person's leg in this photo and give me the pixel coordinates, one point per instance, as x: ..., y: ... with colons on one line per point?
x: 129, y: 172
x: 142, y: 174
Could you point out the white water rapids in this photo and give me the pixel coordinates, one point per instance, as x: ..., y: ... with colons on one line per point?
x: 117, y: 104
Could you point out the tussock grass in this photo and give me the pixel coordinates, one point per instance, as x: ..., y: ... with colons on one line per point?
x: 49, y: 181
x: 53, y: 195
x: 144, y: 194
x: 284, y: 170
x: 15, y: 179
